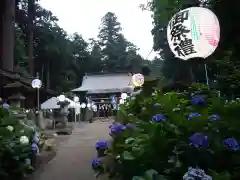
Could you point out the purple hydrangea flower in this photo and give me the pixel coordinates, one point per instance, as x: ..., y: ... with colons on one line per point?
x: 111, y: 125
x: 196, y: 173
x: 130, y: 126
x: 117, y: 128
x: 96, y: 163
x: 214, y: 117
x: 158, y: 117
x: 101, y: 145
x: 197, y: 100
x: 231, y: 143
x: 192, y: 115
x: 35, y: 147
x: 36, y: 138
x: 157, y: 105
x: 198, y: 140
x: 5, y: 106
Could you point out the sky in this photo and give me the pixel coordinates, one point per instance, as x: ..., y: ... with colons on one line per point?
x: 84, y: 17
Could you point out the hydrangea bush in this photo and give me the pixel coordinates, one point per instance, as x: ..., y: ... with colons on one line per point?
x: 184, y: 135
x: 19, y: 145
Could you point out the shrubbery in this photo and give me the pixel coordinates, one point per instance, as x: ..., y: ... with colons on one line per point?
x: 193, y: 133
x: 19, y: 144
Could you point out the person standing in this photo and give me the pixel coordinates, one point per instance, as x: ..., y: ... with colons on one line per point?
x: 105, y: 111
x: 101, y: 112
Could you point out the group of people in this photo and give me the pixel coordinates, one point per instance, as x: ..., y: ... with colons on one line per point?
x: 104, y: 110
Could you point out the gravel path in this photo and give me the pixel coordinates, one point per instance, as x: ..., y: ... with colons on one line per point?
x: 73, y: 160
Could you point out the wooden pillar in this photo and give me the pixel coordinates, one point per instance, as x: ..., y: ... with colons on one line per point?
x: 2, y: 4
x: 31, y: 16
x: 8, y: 35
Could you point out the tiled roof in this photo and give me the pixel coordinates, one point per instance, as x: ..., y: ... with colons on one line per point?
x: 105, y: 83
x: 23, y: 80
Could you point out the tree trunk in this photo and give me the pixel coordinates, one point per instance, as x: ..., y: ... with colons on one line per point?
x: 1, y: 30
x: 31, y: 16
x: 8, y: 35
x: 42, y: 73
x: 48, y: 75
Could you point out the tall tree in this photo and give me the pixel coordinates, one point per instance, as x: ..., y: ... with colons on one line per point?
x: 117, y: 53
x: 96, y: 56
x: 109, y: 35
x: 53, y: 50
x: 31, y: 17
x: 110, y: 29
x: 8, y: 30
x: 81, y: 57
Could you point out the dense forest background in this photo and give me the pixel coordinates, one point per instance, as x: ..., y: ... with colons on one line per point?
x: 61, y: 60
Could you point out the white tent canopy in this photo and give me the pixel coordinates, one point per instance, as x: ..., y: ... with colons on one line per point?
x: 52, y: 103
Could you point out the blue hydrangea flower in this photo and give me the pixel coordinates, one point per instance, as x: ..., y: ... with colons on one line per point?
x: 214, y: 117
x: 198, y: 140
x: 192, y: 115
x: 96, y: 163
x: 157, y: 105
x: 196, y: 173
x: 197, y: 100
x: 231, y: 143
x: 36, y: 138
x: 35, y: 148
x: 130, y: 126
x: 101, y: 145
x: 158, y: 118
x: 117, y: 128
x: 114, y: 123
x: 5, y: 106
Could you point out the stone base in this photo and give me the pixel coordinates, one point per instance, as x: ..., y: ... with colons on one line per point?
x: 41, y: 159
x: 102, y: 177
x: 65, y: 131
x: 44, y: 158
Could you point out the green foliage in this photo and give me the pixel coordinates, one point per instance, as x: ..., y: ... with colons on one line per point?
x: 13, y: 153
x: 164, y: 146
x: 223, y: 65
x: 118, y: 53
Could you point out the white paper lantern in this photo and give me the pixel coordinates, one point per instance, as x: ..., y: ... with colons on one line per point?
x: 61, y: 98
x: 193, y: 32
x: 137, y: 80
x: 76, y: 99
x: 36, y: 83
x: 124, y: 95
x: 83, y: 105
x: 89, y: 105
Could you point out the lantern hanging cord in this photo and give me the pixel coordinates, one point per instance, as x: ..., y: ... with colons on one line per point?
x: 149, y: 53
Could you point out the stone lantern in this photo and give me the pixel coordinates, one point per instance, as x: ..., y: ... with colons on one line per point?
x: 63, y: 120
